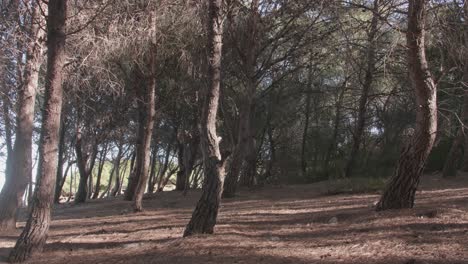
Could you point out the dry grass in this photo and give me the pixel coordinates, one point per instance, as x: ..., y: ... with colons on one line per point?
x: 291, y: 224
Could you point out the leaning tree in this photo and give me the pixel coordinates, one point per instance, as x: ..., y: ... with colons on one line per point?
x: 401, y: 190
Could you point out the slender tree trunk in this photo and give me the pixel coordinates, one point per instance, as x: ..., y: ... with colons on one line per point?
x: 8, y: 139
x: 102, y: 162
x: 249, y: 172
x: 336, y: 126
x: 154, y: 159
x: 89, y: 190
x: 116, y: 169
x: 366, y: 88
x: 190, y: 157
x: 133, y: 177
x: 85, y: 167
x: 304, y: 135
x: 244, y: 145
x: 146, y: 113
x: 58, y: 190
x: 34, y: 235
x: 20, y: 171
x: 163, y: 171
x: 206, y: 212
x: 180, y: 178
x: 72, y: 179
x: 465, y: 86
x: 455, y: 154
x: 61, y: 160
x: 401, y: 190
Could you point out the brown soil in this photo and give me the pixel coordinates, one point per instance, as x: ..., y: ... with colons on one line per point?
x: 289, y: 224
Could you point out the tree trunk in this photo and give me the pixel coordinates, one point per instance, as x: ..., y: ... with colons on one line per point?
x: 305, y: 133
x: 188, y: 145
x: 34, y: 235
x: 133, y: 177
x: 249, y: 171
x: 8, y: 137
x: 147, y: 112
x: 18, y: 175
x: 102, y: 162
x: 163, y: 171
x: 116, y: 170
x: 366, y: 88
x: 180, y: 178
x: 72, y: 179
x: 454, y: 155
x: 58, y: 190
x: 465, y: 87
x: 154, y: 159
x: 61, y: 160
x: 336, y: 126
x: 85, y: 167
x: 401, y: 190
x: 206, y: 211
x: 245, y: 133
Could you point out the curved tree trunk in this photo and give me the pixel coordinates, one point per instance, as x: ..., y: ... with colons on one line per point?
x: 19, y: 173
x: 400, y: 192
x: 206, y: 212
x: 34, y: 235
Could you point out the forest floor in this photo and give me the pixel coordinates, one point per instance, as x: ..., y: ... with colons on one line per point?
x: 283, y: 224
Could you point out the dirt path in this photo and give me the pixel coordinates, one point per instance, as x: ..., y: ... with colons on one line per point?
x: 293, y: 224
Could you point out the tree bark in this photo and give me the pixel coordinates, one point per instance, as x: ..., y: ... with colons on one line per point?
x: 206, y: 211
x: 34, y: 235
x: 188, y: 146
x: 62, y: 182
x: 465, y: 87
x: 61, y: 160
x: 102, y: 162
x: 18, y: 175
x: 116, y: 169
x: 146, y: 113
x: 8, y: 137
x: 454, y: 155
x: 366, y: 88
x: 180, y: 178
x: 85, y: 167
x: 401, y: 190
x: 132, y: 179
x: 154, y: 159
